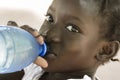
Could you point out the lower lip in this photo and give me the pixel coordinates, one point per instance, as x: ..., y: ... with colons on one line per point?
x: 50, y: 56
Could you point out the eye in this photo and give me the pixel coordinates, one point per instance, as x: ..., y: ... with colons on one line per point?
x: 73, y: 28
x: 49, y: 18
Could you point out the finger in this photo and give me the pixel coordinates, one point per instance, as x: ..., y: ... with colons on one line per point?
x: 34, y: 32
x: 39, y: 38
x: 28, y: 28
x: 12, y: 23
x: 41, y: 62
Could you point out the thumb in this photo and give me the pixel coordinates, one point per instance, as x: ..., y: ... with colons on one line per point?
x: 41, y: 62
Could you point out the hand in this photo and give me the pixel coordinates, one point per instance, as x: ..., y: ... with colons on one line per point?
x: 39, y: 61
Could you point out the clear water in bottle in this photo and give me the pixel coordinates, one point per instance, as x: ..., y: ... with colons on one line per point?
x: 18, y: 49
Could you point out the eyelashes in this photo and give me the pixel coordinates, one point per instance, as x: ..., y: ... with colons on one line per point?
x: 49, y: 18
x: 73, y: 28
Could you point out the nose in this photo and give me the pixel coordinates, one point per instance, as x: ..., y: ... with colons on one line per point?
x: 52, y: 34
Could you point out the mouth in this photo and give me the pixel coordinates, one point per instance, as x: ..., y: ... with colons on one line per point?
x: 50, y: 55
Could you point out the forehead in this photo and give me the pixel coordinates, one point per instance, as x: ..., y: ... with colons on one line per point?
x: 90, y: 6
x: 65, y: 3
x: 67, y: 8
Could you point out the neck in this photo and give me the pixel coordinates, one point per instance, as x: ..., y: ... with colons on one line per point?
x: 68, y: 75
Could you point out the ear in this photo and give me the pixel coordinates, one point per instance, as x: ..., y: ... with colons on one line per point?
x: 107, y: 51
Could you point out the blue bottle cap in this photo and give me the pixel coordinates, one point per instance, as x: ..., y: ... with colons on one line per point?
x: 44, y: 50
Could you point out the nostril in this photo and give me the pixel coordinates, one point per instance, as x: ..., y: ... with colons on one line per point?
x: 51, y: 38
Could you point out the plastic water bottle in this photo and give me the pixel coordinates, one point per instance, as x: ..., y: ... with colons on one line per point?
x: 18, y: 49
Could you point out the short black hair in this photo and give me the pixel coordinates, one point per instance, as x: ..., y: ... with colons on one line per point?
x: 110, y: 13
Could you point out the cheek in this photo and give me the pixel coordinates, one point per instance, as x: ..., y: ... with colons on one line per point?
x: 72, y: 44
x: 72, y: 60
x: 88, y: 44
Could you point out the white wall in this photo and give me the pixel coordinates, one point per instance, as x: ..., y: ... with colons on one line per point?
x: 29, y: 12
x: 39, y: 6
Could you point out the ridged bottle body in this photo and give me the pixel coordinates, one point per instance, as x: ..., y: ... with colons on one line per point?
x: 18, y: 49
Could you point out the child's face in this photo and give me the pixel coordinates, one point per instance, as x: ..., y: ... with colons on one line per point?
x: 72, y: 37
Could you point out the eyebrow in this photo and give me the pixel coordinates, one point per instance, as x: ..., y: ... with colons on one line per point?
x: 77, y: 19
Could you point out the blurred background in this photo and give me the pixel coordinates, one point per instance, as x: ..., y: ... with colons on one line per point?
x: 31, y: 12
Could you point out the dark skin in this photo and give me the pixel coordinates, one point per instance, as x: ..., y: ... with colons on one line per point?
x: 74, y: 40
x: 75, y: 46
